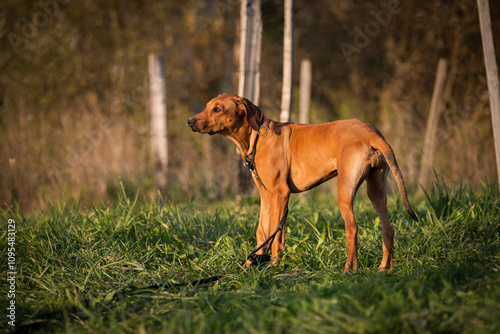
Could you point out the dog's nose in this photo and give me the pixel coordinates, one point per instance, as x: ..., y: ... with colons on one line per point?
x: 191, y: 121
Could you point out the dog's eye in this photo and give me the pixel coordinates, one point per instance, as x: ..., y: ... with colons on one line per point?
x: 216, y: 109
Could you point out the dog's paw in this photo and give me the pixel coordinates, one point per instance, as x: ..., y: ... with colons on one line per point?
x: 351, y: 267
x: 385, y: 269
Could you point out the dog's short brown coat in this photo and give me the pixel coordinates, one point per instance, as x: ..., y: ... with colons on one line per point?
x: 293, y: 157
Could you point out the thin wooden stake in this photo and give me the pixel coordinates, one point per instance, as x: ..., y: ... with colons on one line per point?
x: 305, y: 90
x: 432, y: 123
x: 491, y: 74
x: 158, y: 104
x: 305, y: 99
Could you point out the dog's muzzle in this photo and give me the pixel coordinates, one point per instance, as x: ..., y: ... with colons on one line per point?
x: 192, y: 124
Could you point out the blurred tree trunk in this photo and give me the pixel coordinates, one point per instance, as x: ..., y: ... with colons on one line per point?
x: 250, y: 43
x: 158, y: 122
x: 287, y: 90
x: 249, y: 81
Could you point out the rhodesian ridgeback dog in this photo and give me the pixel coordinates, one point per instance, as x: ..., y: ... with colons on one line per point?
x: 290, y: 158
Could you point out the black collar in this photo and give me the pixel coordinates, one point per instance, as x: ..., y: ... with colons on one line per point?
x: 249, y: 160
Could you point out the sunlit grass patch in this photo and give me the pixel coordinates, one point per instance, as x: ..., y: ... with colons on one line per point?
x: 75, y: 264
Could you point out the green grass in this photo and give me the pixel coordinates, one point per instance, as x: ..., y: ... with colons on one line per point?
x: 73, y: 265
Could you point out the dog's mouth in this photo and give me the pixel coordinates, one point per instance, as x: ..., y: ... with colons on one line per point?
x: 197, y: 127
x: 210, y: 132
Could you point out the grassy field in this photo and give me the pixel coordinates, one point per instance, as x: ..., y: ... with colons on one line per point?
x: 75, y: 265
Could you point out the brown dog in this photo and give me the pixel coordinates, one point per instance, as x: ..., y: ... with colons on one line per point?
x: 290, y: 158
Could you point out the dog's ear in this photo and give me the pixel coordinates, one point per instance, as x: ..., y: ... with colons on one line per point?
x: 253, y: 113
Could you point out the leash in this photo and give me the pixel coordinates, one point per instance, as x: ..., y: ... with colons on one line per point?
x: 256, y: 259
x: 249, y: 162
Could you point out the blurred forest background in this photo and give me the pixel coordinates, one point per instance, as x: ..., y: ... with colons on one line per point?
x: 74, y: 89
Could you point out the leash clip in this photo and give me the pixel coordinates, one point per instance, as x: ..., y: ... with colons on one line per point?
x: 259, y: 259
x: 248, y: 163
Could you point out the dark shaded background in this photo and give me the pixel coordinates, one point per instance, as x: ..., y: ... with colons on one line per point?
x: 73, y: 88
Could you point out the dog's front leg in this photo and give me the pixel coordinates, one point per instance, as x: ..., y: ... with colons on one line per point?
x: 264, y: 225
x: 264, y: 228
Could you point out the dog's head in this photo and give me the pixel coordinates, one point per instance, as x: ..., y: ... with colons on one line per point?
x: 226, y: 113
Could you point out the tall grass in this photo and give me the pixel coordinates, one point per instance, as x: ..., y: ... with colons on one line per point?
x: 74, y: 265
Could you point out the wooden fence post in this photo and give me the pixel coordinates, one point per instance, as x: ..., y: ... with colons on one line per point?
x: 491, y: 74
x: 305, y: 90
x: 249, y: 80
x: 158, y: 105
x: 432, y: 123
x: 286, y: 93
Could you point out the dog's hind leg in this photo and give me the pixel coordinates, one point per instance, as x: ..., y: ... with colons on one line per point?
x: 352, y: 172
x: 376, y: 187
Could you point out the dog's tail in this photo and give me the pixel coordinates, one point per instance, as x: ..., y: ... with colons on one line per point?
x: 386, y: 149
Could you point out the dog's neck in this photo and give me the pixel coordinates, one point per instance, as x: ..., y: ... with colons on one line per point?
x: 244, y: 138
